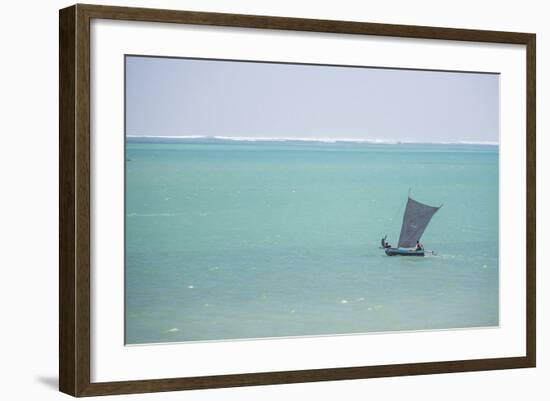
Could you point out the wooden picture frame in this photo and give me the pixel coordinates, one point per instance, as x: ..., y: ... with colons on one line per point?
x: 74, y: 200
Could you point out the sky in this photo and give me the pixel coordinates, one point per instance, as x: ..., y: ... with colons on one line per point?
x: 193, y: 97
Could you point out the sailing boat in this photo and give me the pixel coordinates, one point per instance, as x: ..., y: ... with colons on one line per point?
x: 416, y: 218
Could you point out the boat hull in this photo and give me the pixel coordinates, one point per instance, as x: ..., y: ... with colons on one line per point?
x: 403, y: 252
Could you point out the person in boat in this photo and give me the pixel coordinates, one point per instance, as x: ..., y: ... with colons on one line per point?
x: 387, y: 245
x: 419, y: 246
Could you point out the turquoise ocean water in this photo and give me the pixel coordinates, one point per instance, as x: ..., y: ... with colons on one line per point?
x: 230, y: 239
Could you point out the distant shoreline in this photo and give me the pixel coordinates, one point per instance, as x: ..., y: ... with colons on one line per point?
x: 298, y: 139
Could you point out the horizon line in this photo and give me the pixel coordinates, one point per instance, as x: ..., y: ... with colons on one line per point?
x: 318, y: 139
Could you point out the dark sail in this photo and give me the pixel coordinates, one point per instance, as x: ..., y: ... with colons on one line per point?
x: 415, y: 220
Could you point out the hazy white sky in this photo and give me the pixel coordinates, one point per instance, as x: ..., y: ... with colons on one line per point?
x: 181, y: 97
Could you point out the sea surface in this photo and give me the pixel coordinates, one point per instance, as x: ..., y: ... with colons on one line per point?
x: 230, y: 239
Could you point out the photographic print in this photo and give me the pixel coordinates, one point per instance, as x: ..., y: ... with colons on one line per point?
x: 269, y: 199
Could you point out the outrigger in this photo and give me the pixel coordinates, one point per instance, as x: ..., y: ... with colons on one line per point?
x: 416, y: 218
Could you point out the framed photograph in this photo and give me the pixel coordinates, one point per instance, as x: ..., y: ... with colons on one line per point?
x: 250, y: 200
